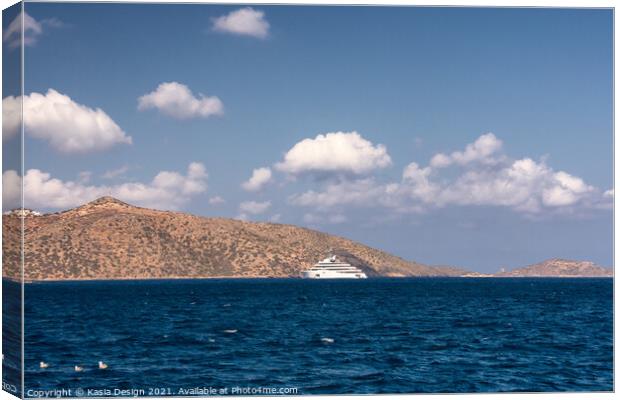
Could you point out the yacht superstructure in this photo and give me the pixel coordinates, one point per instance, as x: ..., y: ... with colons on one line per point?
x: 331, y: 268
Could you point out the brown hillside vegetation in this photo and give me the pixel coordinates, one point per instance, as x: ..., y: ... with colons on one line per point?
x: 109, y: 239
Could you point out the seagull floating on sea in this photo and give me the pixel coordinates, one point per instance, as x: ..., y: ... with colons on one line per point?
x: 77, y: 368
x: 43, y: 365
x: 102, y: 365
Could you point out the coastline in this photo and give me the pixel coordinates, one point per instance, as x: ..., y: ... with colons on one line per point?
x: 205, y: 278
x: 171, y: 278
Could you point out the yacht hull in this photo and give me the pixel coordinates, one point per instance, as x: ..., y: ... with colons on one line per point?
x: 326, y: 274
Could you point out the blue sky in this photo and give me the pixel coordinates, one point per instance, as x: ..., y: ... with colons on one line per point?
x: 226, y: 90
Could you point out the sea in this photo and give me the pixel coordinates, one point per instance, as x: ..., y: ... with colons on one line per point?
x: 296, y: 337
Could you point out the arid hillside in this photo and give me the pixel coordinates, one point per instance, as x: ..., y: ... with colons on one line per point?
x: 109, y: 239
x: 559, y: 268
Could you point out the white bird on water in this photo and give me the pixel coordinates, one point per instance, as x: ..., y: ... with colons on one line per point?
x: 102, y: 365
x: 43, y: 365
x: 77, y: 368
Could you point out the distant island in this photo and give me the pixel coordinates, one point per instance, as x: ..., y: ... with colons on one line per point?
x: 560, y: 268
x: 110, y: 239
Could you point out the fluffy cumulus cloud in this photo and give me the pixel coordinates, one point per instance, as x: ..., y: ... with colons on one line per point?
x: 167, y: 190
x: 341, y: 153
x: 68, y: 126
x: 484, y: 177
x: 484, y: 150
x: 260, y: 177
x: 11, y: 117
x: 245, y: 21
x: 177, y: 100
x: 524, y: 184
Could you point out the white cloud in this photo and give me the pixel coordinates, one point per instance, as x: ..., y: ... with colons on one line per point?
x: 254, y: 207
x: 482, y: 150
x: 485, y: 177
x: 608, y: 200
x: 11, y: 117
x: 523, y: 185
x: 440, y: 160
x: 69, y: 127
x: 565, y: 190
x: 245, y: 21
x: 345, y: 153
x: 260, y: 177
x: 216, y: 200
x: 418, y: 180
x: 32, y: 30
x: 167, y: 190
x: 12, y: 34
x: 177, y: 100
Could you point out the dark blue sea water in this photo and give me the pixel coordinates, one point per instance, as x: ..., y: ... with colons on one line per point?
x: 388, y: 335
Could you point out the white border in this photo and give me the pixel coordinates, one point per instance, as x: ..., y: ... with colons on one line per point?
x: 478, y: 3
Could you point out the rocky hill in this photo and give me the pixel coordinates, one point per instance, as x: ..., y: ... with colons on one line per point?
x: 559, y: 268
x: 109, y: 239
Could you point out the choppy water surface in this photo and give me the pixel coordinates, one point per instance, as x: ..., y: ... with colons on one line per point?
x: 369, y: 336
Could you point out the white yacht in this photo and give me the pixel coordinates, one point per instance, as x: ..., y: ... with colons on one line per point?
x: 331, y: 268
